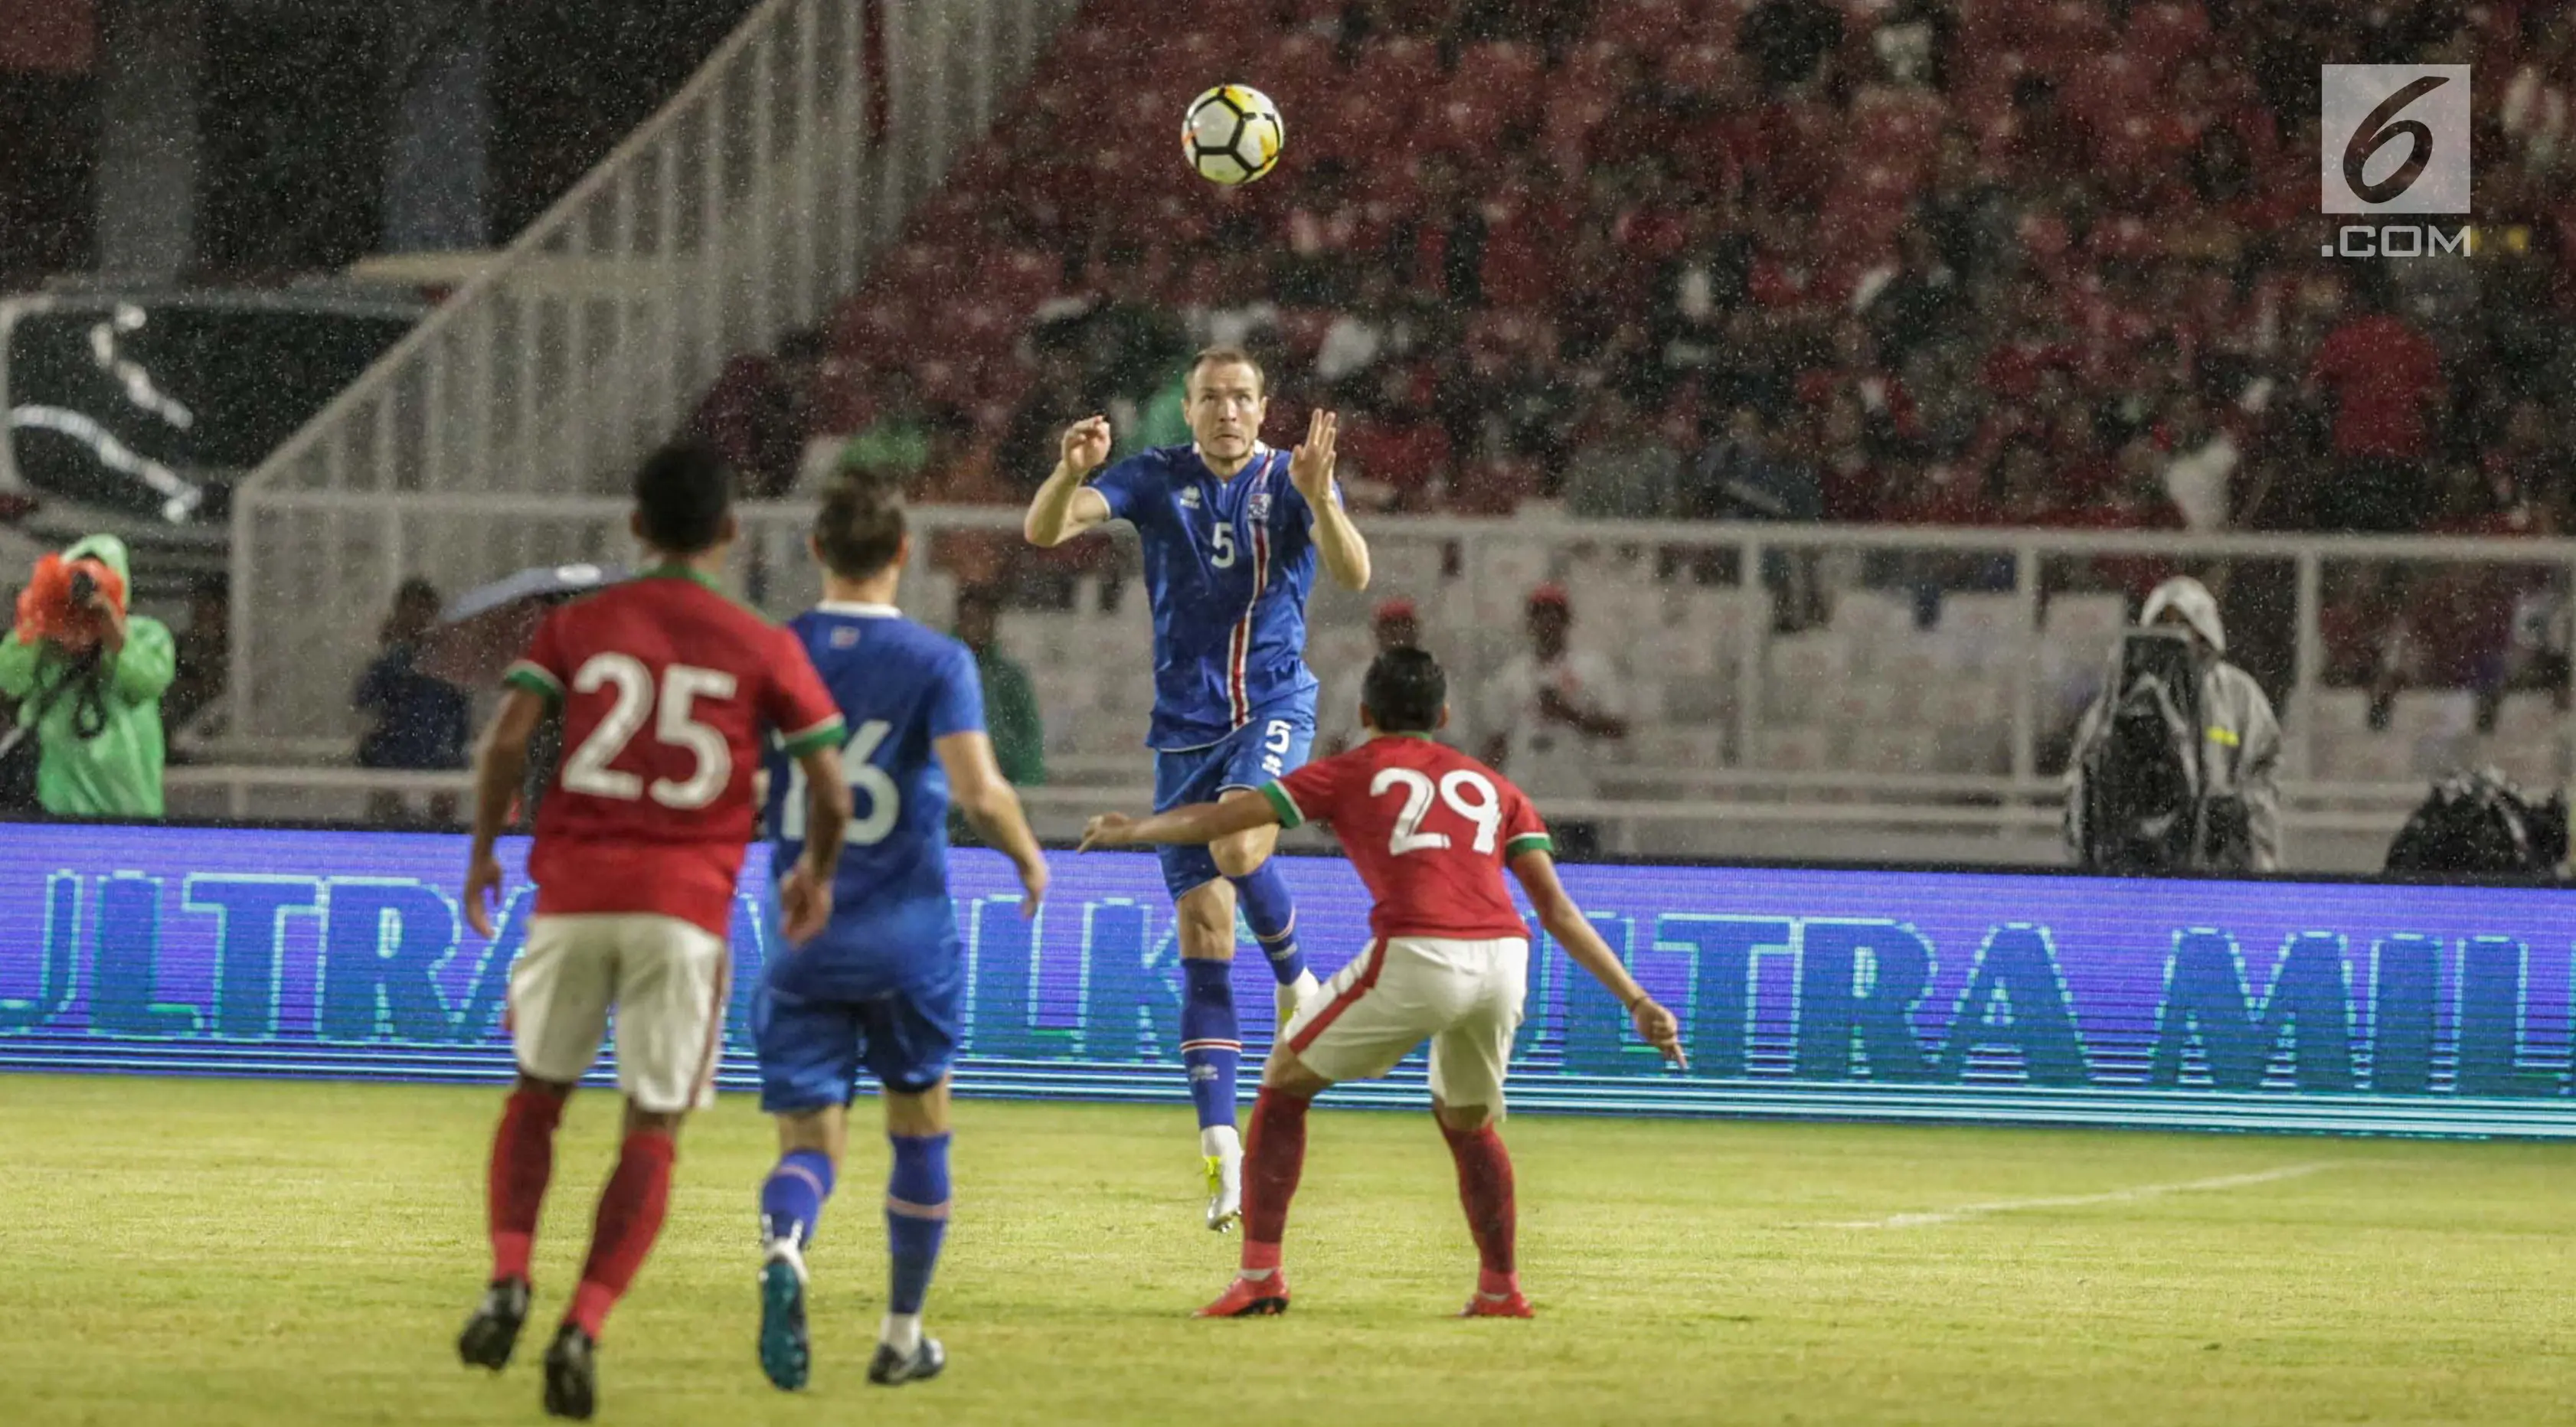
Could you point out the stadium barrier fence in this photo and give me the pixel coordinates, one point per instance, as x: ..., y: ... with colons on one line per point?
x: 748, y: 206
x: 1807, y: 993
x: 1873, y: 720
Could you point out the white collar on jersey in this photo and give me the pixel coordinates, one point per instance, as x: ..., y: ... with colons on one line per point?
x: 858, y: 610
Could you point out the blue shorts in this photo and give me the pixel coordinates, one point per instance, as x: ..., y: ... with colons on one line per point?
x: 811, y: 1052
x: 883, y: 989
x: 1273, y: 745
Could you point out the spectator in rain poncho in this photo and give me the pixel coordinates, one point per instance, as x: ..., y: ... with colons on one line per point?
x: 2239, y: 741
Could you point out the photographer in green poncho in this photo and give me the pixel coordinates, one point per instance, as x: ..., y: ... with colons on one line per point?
x: 87, y: 678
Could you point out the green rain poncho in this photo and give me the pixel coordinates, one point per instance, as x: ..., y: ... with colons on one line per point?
x: 117, y: 773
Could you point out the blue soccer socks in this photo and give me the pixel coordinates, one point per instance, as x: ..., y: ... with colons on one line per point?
x: 791, y: 1201
x: 1272, y: 915
x: 916, y: 1222
x: 1211, y: 1039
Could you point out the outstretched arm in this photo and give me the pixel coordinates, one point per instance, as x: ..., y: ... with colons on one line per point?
x: 1564, y: 921
x: 1239, y: 811
x: 1310, y: 467
x: 1064, y: 507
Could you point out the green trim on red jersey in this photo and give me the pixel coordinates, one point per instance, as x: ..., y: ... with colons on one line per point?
x: 827, y: 734
x: 535, y: 680
x: 1283, y: 805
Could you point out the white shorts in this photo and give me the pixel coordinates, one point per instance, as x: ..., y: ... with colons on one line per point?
x: 666, y: 977
x: 1462, y: 996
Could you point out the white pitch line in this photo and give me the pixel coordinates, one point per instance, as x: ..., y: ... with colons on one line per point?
x: 2077, y: 1201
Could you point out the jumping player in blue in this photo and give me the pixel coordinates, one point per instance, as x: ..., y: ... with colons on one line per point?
x: 1231, y: 531
x: 883, y: 987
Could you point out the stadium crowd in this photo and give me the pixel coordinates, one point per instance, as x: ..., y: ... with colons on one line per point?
x: 2019, y: 263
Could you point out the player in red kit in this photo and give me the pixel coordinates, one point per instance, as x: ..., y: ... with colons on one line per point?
x: 669, y: 692
x: 1430, y: 831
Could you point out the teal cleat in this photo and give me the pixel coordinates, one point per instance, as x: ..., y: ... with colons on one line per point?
x: 784, y: 1351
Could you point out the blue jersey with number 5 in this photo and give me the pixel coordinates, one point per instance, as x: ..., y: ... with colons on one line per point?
x: 901, y: 687
x: 1228, y: 566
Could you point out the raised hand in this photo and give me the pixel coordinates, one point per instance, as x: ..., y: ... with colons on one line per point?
x: 1085, y: 445
x: 1310, y: 466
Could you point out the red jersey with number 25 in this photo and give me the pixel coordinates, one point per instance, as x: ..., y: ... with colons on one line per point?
x: 1428, y: 829
x: 668, y: 691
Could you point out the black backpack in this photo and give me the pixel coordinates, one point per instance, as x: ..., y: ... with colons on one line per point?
x: 2481, y: 823
x: 2143, y: 808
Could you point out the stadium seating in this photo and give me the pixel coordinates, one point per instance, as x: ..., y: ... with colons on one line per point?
x: 1582, y: 155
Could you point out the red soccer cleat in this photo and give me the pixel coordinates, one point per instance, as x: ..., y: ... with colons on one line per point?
x: 1251, y: 1298
x: 1497, y: 1305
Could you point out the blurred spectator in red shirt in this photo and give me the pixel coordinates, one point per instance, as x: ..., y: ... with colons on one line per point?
x: 2383, y: 381
x: 760, y: 412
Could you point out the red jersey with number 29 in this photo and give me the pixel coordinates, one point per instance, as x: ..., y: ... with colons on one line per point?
x: 1428, y: 829
x: 668, y: 691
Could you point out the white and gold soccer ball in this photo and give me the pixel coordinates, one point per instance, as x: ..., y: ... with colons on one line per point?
x: 1232, y: 134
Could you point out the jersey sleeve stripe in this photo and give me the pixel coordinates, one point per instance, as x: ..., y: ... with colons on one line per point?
x: 537, y: 681
x: 1283, y: 805
x: 826, y: 734
x: 1530, y: 842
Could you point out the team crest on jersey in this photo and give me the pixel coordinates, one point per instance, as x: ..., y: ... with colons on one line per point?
x: 1258, y: 507
x: 1189, y: 497
x: 845, y: 638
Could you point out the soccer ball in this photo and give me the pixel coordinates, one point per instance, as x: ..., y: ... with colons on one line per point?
x: 1232, y: 134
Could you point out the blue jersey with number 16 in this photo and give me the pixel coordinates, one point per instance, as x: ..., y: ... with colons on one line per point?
x: 1228, y: 566
x: 901, y: 687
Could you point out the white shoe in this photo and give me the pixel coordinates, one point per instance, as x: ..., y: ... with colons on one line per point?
x: 1288, y: 1001
x: 1221, y: 1154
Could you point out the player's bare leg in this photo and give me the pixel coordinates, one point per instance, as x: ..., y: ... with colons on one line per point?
x: 917, y: 1199
x: 523, y: 1158
x: 1212, y: 1040
x: 1262, y: 893
x: 628, y: 1220
x: 1274, y: 1159
x: 1485, y: 1191
x: 810, y: 1145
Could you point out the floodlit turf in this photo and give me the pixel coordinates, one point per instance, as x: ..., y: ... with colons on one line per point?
x: 232, y: 1252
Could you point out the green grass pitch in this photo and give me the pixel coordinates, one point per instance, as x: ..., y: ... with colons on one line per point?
x: 238, y: 1252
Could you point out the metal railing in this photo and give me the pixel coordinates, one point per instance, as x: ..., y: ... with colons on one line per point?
x: 1701, y: 643
x: 749, y: 205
